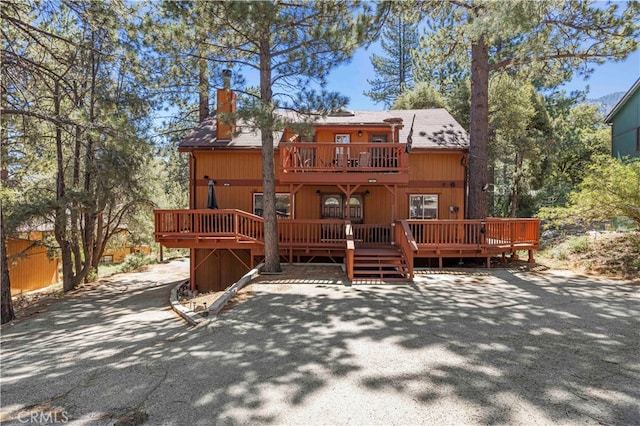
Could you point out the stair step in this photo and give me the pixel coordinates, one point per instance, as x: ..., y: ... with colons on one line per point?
x: 382, y: 263
x: 394, y: 261
x: 373, y: 280
x: 356, y: 257
x: 378, y: 252
x: 376, y: 273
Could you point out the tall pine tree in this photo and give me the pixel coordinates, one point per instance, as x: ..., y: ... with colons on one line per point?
x: 548, y: 41
x: 290, y: 46
x: 394, y: 69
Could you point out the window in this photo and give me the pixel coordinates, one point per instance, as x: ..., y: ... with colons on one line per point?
x: 343, y: 138
x: 107, y: 260
x: 423, y: 206
x: 334, y: 207
x: 283, y: 205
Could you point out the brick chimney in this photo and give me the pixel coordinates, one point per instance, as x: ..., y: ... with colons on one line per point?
x: 226, y: 104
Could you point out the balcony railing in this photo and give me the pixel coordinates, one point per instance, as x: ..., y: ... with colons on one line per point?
x: 369, y: 158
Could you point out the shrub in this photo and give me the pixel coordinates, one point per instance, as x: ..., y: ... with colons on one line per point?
x: 135, y: 261
x: 578, y: 245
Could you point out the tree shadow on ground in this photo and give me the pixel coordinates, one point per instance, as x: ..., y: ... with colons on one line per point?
x: 487, y: 347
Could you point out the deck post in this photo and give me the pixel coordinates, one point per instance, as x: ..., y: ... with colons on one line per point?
x: 531, y: 259
x: 192, y: 269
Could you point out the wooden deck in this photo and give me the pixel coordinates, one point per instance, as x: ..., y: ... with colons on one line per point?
x: 319, y: 163
x: 409, y: 239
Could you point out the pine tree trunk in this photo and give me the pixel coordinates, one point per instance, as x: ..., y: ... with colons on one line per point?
x: 203, y: 89
x: 6, y: 314
x: 479, y: 131
x: 60, y: 225
x: 516, y: 185
x: 271, y: 249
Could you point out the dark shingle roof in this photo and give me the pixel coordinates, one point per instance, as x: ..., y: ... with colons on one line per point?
x: 433, y: 128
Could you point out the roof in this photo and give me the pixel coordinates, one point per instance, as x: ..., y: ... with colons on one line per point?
x: 621, y: 103
x: 433, y: 129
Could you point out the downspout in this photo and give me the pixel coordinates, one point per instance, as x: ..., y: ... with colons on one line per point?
x: 194, y: 174
x: 192, y: 251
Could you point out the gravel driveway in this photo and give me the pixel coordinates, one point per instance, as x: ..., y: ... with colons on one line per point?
x: 466, y: 347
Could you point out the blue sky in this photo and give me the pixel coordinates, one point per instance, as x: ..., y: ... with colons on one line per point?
x: 351, y: 79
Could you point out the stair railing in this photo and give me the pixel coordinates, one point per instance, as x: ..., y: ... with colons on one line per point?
x: 404, y: 240
x: 350, y: 249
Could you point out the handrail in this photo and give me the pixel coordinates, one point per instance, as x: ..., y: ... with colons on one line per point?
x: 350, y: 250
x: 407, y: 244
x: 222, y: 223
x: 481, y: 234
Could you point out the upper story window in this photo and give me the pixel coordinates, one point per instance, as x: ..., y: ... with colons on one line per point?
x: 343, y: 138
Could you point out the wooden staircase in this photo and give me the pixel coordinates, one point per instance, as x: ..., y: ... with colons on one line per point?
x: 380, y: 264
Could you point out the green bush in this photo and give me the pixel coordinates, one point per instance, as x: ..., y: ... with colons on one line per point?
x: 136, y: 261
x: 578, y: 245
x: 609, y: 191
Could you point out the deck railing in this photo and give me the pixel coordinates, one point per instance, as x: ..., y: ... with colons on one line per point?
x: 311, y: 232
x: 403, y: 238
x: 483, y: 234
x: 189, y: 228
x: 367, y: 235
x: 299, y: 157
x: 207, y: 223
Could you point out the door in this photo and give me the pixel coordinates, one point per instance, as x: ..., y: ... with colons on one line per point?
x: 334, y: 206
x: 342, y: 152
x: 378, y: 155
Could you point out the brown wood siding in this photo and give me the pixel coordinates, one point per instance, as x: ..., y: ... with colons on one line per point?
x: 242, y: 170
x: 328, y: 134
x: 220, y: 269
x: 425, y: 166
x: 307, y: 203
x: 246, y: 164
x: 430, y: 173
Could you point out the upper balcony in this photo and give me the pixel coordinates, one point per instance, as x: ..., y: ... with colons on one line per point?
x: 354, y: 163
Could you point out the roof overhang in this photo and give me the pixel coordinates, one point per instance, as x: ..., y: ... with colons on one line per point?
x: 609, y: 118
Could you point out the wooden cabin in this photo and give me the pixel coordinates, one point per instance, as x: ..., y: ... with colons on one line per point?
x: 374, y: 190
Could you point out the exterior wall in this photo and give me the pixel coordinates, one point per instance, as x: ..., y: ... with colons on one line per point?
x: 238, y: 176
x: 360, y: 135
x: 29, y: 267
x: 624, y: 132
x: 218, y: 270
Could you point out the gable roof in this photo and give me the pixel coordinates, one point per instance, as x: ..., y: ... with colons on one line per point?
x: 621, y: 103
x: 433, y: 129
